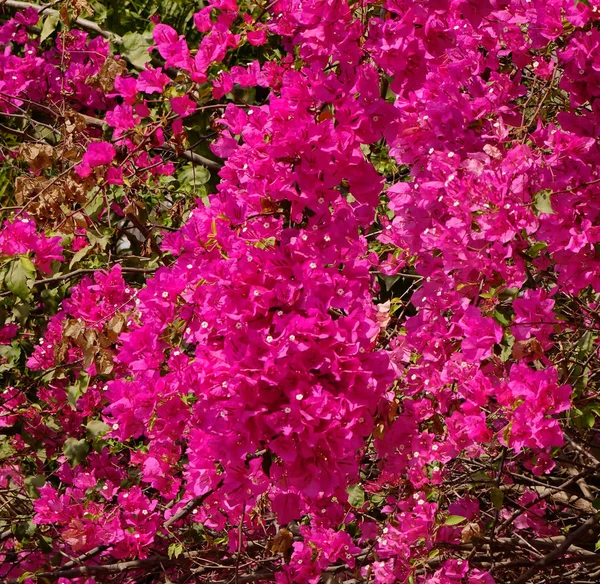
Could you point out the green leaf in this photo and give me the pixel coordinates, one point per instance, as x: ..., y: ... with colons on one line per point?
x: 28, y: 266
x: 506, y: 349
x: 23, y: 530
x: 75, y: 391
x: 480, y: 476
x: 535, y: 250
x: 10, y: 356
x: 49, y: 27
x: 102, y: 241
x: 454, y: 520
x: 95, y: 203
x: 45, y: 544
x: 193, y: 175
x: 508, y: 293
x: 80, y: 255
x: 135, y: 49
x: 75, y: 450
x: 6, y: 448
x: 542, y: 202
x: 389, y: 281
x: 584, y: 420
x: 356, y: 495
x: 585, y: 344
x: 100, y: 12
x: 175, y: 550
x: 16, y: 279
x: 37, y: 481
x: 97, y: 428
x: 33, y: 483
x: 501, y: 318
x: 497, y: 498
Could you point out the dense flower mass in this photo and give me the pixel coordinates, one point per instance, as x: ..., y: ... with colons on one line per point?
x: 312, y: 298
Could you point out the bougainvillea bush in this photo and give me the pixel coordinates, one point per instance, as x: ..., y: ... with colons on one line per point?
x: 306, y: 292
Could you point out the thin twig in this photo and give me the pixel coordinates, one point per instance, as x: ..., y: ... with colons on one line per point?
x: 561, y: 549
x: 191, y: 505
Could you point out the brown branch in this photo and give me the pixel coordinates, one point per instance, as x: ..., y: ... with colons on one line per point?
x: 560, y: 550
x: 85, y: 556
x: 581, y: 450
x: 90, y: 26
x: 83, y: 23
x: 117, y: 568
x: 573, y: 480
x: 83, y: 271
x: 191, y: 505
x: 557, y: 494
x: 238, y: 556
x: 187, y: 155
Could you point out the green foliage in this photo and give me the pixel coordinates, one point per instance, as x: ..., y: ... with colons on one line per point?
x: 356, y: 495
x: 75, y: 450
x: 133, y: 16
x: 454, y: 520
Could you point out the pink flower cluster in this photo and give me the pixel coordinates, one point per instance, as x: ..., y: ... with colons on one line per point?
x: 21, y: 237
x: 262, y: 366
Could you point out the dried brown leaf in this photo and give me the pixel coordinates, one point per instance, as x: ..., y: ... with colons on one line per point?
x: 104, y: 362
x: 82, y: 7
x: 65, y: 17
x: 469, y: 532
x: 117, y: 323
x: 61, y: 350
x: 37, y: 156
x: 26, y: 188
x: 282, y: 542
x: 74, y: 122
x: 73, y: 329
x: 105, y: 78
x: 88, y: 356
x: 528, y: 349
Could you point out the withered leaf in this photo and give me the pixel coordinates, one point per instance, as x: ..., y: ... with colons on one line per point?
x: 469, y: 532
x: 105, y: 78
x: 74, y: 122
x: 60, y: 352
x: 527, y: 349
x: 147, y: 247
x: 73, y: 329
x: 117, y: 323
x: 65, y: 18
x: 37, y: 156
x: 379, y: 431
x: 176, y: 211
x: 50, y: 200
x: 88, y: 356
x: 26, y: 188
x: 282, y: 542
x: 269, y: 206
x: 104, y: 362
x: 74, y: 190
x: 71, y: 153
x: 90, y: 338
x: 80, y: 220
x: 82, y: 7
